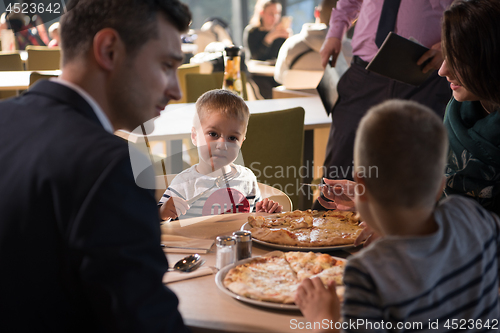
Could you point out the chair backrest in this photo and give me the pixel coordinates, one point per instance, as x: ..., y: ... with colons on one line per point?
x: 10, y: 61
x: 276, y: 195
x: 273, y: 149
x: 198, y: 84
x: 34, y: 77
x: 181, y: 74
x: 42, y: 58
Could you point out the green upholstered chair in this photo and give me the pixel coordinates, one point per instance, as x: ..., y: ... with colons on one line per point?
x: 181, y: 74
x: 10, y: 61
x: 198, y: 84
x: 273, y: 149
x: 39, y: 76
x: 43, y: 58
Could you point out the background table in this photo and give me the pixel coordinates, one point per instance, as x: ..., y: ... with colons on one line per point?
x: 19, y: 80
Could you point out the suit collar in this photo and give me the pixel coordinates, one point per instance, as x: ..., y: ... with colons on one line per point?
x: 65, y: 95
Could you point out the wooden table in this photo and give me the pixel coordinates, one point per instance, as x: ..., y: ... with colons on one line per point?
x: 19, y: 80
x: 205, y: 308
x: 262, y: 68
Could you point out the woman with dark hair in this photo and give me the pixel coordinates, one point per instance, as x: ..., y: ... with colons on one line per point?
x: 470, y: 42
x: 263, y: 38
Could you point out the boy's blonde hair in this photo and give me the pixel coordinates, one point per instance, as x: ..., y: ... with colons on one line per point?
x: 223, y: 102
x: 406, y: 143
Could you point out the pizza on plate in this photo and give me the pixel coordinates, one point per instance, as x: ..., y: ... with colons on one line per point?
x: 276, y: 276
x: 308, y: 228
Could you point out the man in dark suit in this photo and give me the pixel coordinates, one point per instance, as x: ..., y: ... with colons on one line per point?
x: 79, y: 240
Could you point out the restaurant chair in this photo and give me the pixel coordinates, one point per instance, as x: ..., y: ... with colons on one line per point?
x: 34, y: 77
x: 43, y: 58
x: 198, y: 84
x: 181, y: 74
x: 10, y: 61
x: 276, y: 195
x: 273, y: 149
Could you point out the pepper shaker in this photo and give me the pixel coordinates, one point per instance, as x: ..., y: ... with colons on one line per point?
x: 243, y: 244
x: 226, y: 251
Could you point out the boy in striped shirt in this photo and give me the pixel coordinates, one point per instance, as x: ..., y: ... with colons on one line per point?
x: 435, y: 267
x: 218, y: 132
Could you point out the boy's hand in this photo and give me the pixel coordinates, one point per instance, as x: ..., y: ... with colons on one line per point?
x: 268, y: 206
x: 368, y: 235
x: 342, y: 192
x: 317, y: 302
x: 173, y: 207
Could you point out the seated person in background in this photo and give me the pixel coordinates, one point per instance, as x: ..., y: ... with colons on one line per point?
x: 263, y: 38
x: 218, y: 131
x: 54, y: 35
x: 301, y: 51
x: 431, y: 262
x: 24, y: 32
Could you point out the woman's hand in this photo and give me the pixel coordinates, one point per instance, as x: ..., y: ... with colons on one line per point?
x: 277, y: 32
x: 341, y: 192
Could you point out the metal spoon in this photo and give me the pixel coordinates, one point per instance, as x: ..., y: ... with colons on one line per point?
x: 188, y: 263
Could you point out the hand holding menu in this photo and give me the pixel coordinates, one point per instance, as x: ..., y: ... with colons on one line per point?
x: 397, y: 59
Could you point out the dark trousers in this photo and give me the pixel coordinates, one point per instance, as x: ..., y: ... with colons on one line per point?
x: 359, y: 90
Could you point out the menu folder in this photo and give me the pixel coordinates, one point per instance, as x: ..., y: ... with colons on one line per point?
x: 397, y: 59
x: 327, y: 88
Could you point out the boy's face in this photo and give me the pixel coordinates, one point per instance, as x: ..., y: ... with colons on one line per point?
x: 218, y: 140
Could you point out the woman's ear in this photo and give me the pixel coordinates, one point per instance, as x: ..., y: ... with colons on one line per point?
x: 194, y: 136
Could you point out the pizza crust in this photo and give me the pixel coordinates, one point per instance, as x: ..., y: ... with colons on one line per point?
x: 307, y: 228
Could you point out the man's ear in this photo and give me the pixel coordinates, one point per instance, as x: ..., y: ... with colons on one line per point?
x: 106, y: 46
x: 194, y: 136
x: 360, y: 186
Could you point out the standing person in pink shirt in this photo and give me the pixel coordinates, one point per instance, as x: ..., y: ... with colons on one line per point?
x: 359, y: 89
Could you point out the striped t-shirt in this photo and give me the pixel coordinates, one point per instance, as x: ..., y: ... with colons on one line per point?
x: 446, y: 281
x: 239, y: 197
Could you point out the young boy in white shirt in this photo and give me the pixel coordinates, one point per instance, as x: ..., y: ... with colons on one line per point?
x: 218, y: 132
x: 435, y: 267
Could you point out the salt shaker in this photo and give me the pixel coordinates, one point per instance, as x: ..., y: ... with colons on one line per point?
x: 243, y: 244
x: 226, y: 251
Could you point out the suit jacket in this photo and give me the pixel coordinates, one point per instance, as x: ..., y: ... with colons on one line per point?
x: 79, y: 240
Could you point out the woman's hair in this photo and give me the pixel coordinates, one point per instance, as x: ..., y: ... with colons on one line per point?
x: 471, y: 46
x: 261, y: 5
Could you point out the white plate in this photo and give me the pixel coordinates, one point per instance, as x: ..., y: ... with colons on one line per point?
x: 219, y: 278
x: 247, y: 226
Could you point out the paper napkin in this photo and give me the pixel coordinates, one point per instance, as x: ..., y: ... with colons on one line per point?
x: 178, y: 276
x: 181, y: 244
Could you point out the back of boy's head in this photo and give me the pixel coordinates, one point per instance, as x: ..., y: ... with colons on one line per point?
x: 400, y: 151
x: 223, y: 102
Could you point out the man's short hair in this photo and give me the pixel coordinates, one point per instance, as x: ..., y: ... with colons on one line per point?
x: 134, y: 20
x: 224, y: 102
x: 400, y: 150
